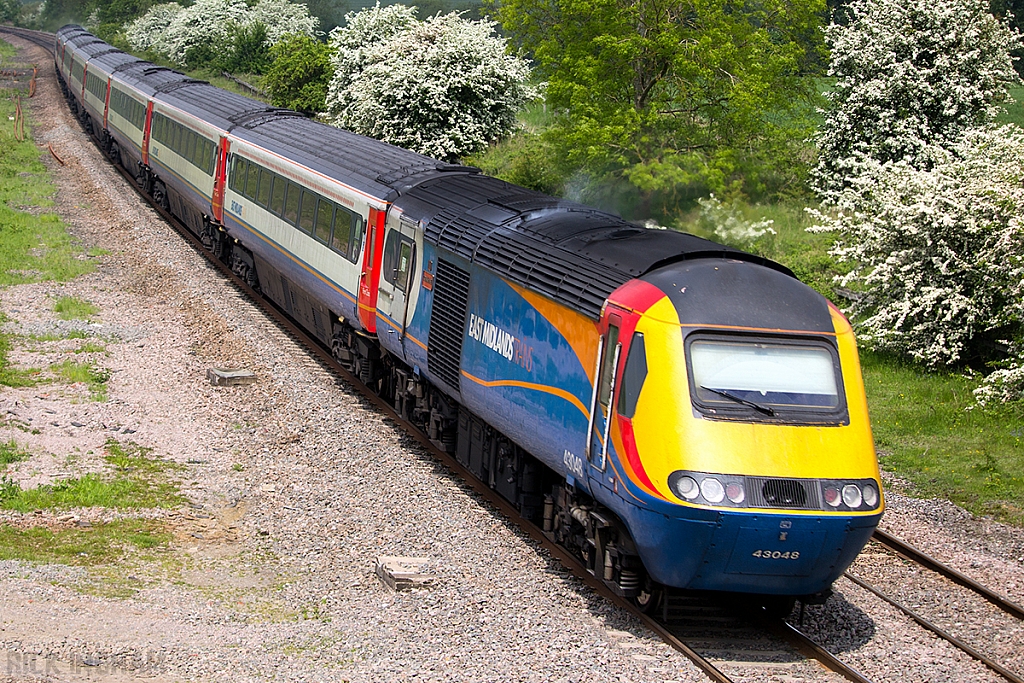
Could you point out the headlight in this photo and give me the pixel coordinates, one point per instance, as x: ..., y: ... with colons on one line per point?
x: 713, y: 490
x: 734, y: 492
x: 870, y: 496
x: 852, y: 496
x: 686, y: 488
x: 832, y: 496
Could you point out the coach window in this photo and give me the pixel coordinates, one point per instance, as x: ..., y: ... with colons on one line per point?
x: 307, y: 210
x: 253, y: 178
x: 263, y: 193
x: 277, y: 195
x: 237, y: 173
x: 342, y: 231
x: 190, y: 146
x: 324, y: 218
x: 291, y: 204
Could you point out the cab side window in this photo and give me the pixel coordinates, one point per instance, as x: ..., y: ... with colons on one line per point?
x: 633, y: 376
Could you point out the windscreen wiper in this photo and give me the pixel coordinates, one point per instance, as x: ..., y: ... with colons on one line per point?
x: 733, y: 397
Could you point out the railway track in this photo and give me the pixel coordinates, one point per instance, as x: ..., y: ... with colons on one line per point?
x: 726, y: 641
x: 901, y: 550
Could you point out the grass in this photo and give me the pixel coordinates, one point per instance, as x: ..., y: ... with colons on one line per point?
x: 1014, y: 113
x: 34, y: 246
x: 11, y: 453
x: 73, y: 308
x: 926, y: 434
x: 93, y: 377
x: 137, y: 481
x: 98, y: 545
x: 11, y: 376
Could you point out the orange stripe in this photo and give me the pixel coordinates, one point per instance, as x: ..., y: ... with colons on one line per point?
x: 388, y: 320
x: 555, y: 391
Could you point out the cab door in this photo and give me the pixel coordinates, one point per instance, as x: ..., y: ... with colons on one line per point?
x: 608, y: 359
x: 399, y: 264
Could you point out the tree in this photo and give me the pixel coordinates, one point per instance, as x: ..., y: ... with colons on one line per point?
x: 299, y: 73
x: 674, y: 94
x: 938, y: 251
x: 209, y: 32
x: 444, y: 87
x: 910, y: 74
x: 148, y: 32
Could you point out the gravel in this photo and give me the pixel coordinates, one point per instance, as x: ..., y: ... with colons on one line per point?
x: 296, y: 485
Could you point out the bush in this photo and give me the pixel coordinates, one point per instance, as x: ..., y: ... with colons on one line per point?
x: 910, y: 75
x: 939, y: 251
x: 444, y: 87
x: 299, y: 73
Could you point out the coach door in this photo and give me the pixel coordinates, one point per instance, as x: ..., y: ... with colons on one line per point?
x: 399, y: 265
x: 608, y: 352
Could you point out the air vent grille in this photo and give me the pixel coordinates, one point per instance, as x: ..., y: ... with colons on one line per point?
x: 795, y: 494
x: 447, y: 323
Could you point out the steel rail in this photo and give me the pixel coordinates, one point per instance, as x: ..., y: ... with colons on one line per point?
x: 462, y: 475
x: 909, y: 552
x: 945, y: 635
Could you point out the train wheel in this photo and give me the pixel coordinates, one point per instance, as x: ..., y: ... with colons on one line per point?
x: 160, y: 196
x: 650, y: 596
x: 114, y: 153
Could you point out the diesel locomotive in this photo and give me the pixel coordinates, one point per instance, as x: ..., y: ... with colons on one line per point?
x: 674, y: 411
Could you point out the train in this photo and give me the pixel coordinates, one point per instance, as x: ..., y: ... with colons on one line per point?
x: 679, y: 414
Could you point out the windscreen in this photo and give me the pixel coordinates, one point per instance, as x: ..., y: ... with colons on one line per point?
x: 767, y: 374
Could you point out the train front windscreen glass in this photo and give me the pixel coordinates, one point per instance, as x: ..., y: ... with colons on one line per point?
x: 781, y: 375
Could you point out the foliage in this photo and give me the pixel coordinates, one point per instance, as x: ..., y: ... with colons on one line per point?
x: 299, y: 73
x: 675, y: 96
x: 218, y: 31
x: 250, y: 50
x: 939, y: 252
x: 444, y: 87
x: 10, y: 10
x: 148, y: 32
x: 525, y: 159
x: 910, y: 75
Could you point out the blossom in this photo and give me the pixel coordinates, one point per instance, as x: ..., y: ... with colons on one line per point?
x: 444, y: 87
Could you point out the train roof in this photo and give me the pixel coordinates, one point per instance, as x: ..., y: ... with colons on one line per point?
x: 571, y: 253
x: 370, y: 166
x: 149, y: 78
x: 209, y: 103
x: 114, y: 61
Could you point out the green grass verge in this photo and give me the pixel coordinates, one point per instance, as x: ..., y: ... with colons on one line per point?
x: 33, y: 247
x: 98, y: 545
x: 1013, y: 113
x: 11, y: 453
x: 74, y: 308
x: 138, y: 481
x: 86, y: 373
x: 927, y: 435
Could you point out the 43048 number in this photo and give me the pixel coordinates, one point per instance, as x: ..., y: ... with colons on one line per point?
x: 777, y: 554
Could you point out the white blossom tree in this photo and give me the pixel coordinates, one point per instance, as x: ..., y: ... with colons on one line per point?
x: 148, y: 31
x: 939, y: 252
x: 910, y: 75
x: 444, y: 87
x: 207, y: 25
